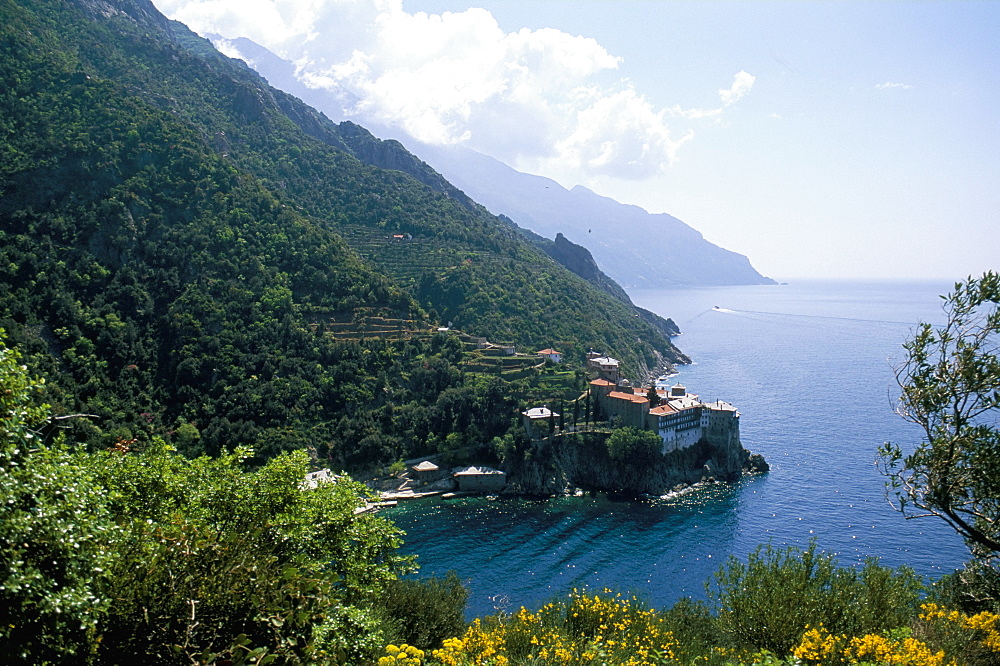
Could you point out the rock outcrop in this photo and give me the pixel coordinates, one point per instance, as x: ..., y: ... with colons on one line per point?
x: 566, y: 463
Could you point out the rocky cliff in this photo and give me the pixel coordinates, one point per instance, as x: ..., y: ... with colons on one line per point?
x: 581, y: 461
x: 580, y: 261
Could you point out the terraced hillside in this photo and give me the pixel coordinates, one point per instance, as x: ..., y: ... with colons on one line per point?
x: 190, y: 254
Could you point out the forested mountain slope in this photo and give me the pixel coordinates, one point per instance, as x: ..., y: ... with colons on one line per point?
x: 180, y: 242
x: 636, y: 248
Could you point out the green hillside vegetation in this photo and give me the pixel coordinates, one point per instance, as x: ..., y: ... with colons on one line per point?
x: 203, y: 274
x: 189, y: 253
x: 149, y: 557
x: 146, y: 556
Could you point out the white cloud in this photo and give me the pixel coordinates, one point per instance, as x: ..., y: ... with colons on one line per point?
x: 889, y: 84
x: 742, y: 83
x: 621, y: 135
x: 694, y: 114
x: 230, y: 50
x: 442, y: 76
x: 457, y: 77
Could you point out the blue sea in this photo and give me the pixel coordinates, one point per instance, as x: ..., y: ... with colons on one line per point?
x: 810, y: 367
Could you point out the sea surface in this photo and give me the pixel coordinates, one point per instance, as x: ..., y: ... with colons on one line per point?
x: 809, y: 365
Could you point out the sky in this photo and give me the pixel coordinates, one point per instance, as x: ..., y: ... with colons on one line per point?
x: 821, y: 139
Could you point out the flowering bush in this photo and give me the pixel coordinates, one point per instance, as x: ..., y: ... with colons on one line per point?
x: 984, y: 624
x: 970, y: 639
x: 950, y: 637
x: 819, y: 646
x: 402, y: 655
x: 608, y: 628
x: 586, y: 628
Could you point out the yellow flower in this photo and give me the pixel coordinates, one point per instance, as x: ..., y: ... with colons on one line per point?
x: 816, y: 644
x: 402, y: 655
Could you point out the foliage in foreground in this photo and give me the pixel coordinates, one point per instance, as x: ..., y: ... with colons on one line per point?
x: 606, y: 628
x: 766, y: 602
x: 782, y: 606
x: 950, y: 384
x: 939, y: 637
x: 424, y: 612
x: 585, y: 628
x: 125, y: 557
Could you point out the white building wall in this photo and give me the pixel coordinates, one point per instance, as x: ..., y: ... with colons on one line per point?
x: 674, y: 440
x: 720, y: 426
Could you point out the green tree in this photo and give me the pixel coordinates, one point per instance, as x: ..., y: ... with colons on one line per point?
x: 54, y: 533
x: 950, y: 387
x: 635, y: 446
x: 653, y: 397
x: 119, y: 556
x: 218, y: 561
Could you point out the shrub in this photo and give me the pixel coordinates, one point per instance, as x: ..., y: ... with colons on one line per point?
x: 819, y: 646
x: 970, y: 640
x: 767, y: 602
x: 425, y: 611
x: 694, y: 627
x: 350, y: 635
x: 972, y: 589
x: 585, y: 628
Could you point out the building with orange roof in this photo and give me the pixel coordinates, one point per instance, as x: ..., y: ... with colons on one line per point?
x: 550, y: 355
x: 681, y: 420
x: 600, y: 388
x: 630, y: 409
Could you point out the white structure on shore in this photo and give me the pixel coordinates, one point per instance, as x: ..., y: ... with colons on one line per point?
x: 681, y: 419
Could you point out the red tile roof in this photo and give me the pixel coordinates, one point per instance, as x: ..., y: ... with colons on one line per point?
x: 631, y: 397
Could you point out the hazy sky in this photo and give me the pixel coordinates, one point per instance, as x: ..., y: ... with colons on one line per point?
x: 838, y: 139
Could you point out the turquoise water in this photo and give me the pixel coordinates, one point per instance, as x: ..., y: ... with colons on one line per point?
x: 809, y: 365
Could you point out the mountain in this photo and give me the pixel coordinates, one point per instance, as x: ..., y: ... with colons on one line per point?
x: 579, y: 261
x: 636, y: 248
x: 189, y: 253
x: 632, y: 246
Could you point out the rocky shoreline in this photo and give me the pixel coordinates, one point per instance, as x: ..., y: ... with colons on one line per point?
x: 565, y: 464
x: 577, y: 465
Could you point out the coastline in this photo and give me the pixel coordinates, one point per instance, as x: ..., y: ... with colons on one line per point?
x: 392, y: 497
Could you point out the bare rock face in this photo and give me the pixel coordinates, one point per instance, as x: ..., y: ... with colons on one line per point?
x: 570, y: 462
x: 140, y: 11
x: 756, y: 464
